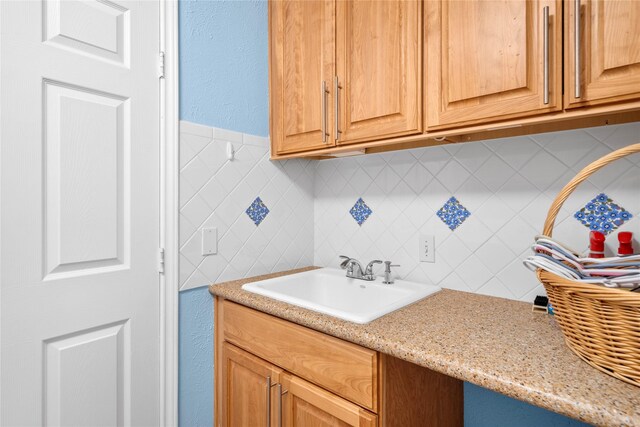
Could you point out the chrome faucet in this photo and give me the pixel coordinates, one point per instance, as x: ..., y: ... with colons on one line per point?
x: 387, y: 272
x: 354, y: 268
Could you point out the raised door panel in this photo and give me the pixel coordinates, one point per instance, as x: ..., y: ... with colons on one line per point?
x: 75, y: 364
x: 94, y: 28
x: 87, y: 146
x: 378, y: 61
x: 608, y: 47
x: 306, y: 405
x: 302, y: 50
x: 248, y: 389
x: 486, y: 60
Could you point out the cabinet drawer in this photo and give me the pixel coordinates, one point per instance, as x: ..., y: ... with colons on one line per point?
x: 345, y: 369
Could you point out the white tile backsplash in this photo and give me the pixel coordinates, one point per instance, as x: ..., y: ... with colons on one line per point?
x: 507, y: 185
x: 215, y: 192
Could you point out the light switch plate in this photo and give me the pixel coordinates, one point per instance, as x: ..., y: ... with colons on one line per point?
x: 427, y: 248
x: 209, y: 241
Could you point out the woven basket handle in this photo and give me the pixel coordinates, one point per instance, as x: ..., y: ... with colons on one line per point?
x: 579, y: 178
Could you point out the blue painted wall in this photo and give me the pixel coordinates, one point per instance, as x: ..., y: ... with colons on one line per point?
x: 195, y: 382
x: 224, y: 83
x: 223, y: 64
x: 484, y: 408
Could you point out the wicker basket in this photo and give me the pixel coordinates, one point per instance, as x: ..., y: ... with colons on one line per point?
x: 601, y: 325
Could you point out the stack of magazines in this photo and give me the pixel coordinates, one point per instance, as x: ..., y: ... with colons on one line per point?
x: 613, y: 272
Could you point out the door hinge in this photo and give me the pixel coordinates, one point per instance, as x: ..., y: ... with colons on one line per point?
x: 160, y: 65
x: 161, y: 260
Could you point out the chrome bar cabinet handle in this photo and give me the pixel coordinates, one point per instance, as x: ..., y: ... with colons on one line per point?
x: 545, y: 24
x: 576, y: 48
x: 336, y: 96
x: 280, y: 394
x: 325, y: 91
x: 269, y: 401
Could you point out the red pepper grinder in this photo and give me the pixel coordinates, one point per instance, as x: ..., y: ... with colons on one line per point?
x: 625, y: 238
x: 596, y: 244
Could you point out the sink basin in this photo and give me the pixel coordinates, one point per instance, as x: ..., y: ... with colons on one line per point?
x: 329, y: 291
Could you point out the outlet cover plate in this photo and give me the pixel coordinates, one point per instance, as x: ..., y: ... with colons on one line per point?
x: 427, y: 248
x: 209, y: 241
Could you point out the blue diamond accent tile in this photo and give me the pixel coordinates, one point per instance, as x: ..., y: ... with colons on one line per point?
x: 258, y: 211
x: 602, y: 214
x: 360, y: 211
x: 453, y: 213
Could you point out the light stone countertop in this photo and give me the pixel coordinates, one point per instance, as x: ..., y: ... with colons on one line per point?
x: 493, y: 342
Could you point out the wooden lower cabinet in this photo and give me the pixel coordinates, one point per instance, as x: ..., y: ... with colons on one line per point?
x: 248, y: 390
x: 306, y: 405
x: 256, y: 385
x: 256, y: 393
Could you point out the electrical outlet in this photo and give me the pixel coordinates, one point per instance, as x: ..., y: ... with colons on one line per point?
x: 209, y: 241
x: 427, y: 248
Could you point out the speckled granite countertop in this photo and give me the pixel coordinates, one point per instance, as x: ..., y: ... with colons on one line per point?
x: 496, y: 343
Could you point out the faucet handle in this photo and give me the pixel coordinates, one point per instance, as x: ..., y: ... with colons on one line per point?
x: 345, y: 261
x: 369, y: 269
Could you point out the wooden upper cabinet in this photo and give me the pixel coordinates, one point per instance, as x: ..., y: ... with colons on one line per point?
x: 301, y: 59
x: 248, y: 389
x: 378, y: 62
x: 608, y: 51
x: 306, y: 405
x: 486, y: 60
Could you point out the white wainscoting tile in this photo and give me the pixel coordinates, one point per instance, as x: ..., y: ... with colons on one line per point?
x: 507, y: 184
x: 216, y: 192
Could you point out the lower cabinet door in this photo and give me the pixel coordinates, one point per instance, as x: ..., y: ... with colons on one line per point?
x: 303, y: 404
x: 249, y: 389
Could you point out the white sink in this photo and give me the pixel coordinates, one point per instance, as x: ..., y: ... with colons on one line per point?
x: 329, y: 291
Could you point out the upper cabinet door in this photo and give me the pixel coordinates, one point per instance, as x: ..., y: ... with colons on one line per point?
x: 606, y: 51
x: 378, y: 61
x: 301, y: 74
x: 491, y: 60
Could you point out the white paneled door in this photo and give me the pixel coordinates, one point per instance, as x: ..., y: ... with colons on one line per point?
x: 79, y: 194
